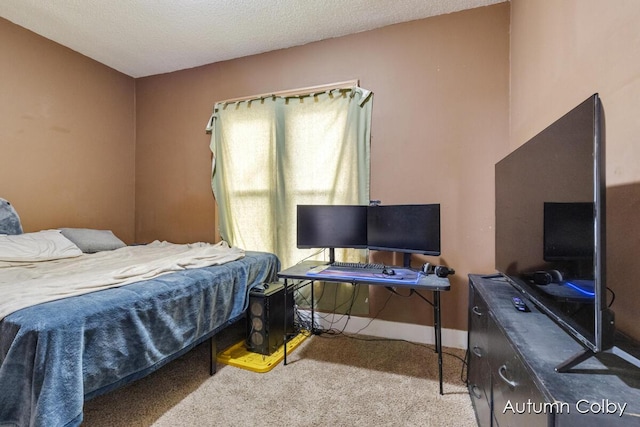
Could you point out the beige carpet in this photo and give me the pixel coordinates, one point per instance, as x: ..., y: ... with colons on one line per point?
x: 329, y: 381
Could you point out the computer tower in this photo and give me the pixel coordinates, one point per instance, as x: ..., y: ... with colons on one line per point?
x: 266, y: 318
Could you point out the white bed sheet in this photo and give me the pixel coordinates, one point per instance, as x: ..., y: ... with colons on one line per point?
x: 23, y: 284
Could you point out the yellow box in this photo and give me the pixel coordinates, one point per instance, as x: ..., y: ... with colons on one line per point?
x: 237, y: 355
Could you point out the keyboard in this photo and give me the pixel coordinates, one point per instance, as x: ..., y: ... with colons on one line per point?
x: 361, y: 272
x: 357, y: 266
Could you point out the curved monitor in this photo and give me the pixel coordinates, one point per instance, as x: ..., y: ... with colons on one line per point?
x: 404, y: 228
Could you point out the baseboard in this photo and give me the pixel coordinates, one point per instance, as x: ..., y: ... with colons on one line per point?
x: 422, y: 334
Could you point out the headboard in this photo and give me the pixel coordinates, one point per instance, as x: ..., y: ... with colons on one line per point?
x: 9, y: 219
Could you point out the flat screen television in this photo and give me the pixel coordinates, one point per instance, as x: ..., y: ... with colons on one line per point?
x: 404, y: 228
x: 331, y: 226
x: 550, y: 226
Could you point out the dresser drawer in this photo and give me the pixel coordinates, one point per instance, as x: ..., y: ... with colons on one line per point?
x: 516, y: 399
x: 478, y: 324
x: 479, y: 385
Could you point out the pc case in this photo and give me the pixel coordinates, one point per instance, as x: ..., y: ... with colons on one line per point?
x: 266, y: 318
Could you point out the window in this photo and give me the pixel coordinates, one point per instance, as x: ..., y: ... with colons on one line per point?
x: 273, y: 153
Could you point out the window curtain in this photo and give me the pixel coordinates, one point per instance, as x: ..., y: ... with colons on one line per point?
x: 275, y: 152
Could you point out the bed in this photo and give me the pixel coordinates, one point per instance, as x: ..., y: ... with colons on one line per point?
x: 87, y: 340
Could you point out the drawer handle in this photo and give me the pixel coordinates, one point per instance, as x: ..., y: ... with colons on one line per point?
x: 476, y: 310
x: 502, y: 372
x: 475, y: 391
x: 477, y: 351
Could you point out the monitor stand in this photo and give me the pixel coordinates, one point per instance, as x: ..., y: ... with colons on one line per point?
x: 406, y: 260
x: 332, y: 255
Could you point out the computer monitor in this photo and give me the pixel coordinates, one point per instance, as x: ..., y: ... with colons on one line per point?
x: 404, y: 228
x: 568, y: 231
x: 332, y: 226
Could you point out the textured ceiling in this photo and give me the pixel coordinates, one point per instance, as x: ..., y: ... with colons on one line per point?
x: 146, y: 37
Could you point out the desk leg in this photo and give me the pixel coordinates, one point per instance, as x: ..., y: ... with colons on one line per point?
x: 286, y: 287
x: 313, y: 328
x: 438, y: 331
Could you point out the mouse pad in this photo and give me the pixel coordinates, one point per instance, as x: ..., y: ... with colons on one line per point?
x: 401, y: 275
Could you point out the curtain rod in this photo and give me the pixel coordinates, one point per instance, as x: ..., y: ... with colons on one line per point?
x: 296, y: 92
x: 349, y: 84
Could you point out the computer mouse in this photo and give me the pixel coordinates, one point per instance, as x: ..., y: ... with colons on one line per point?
x: 389, y: 271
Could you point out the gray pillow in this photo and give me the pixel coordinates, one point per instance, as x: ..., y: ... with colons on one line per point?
x: 9, y: 219
x: 90, y: 240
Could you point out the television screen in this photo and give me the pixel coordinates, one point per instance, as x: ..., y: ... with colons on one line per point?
x: 332, y: 226
x: 404, y: 228
x: 550, y: 223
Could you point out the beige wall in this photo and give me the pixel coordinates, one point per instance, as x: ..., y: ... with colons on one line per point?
x: 66, y: 136
x: 439, y: 124
x: 562, y: 51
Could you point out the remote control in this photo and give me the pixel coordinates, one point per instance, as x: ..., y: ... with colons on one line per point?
x: 519, y: 304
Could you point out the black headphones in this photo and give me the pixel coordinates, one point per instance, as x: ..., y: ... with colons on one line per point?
x: 544, y: 277
x: 438, y: 270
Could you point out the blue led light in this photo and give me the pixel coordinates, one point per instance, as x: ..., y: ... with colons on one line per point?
x: 579, y: 289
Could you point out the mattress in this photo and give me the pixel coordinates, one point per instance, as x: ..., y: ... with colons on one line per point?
x: 56, y: 354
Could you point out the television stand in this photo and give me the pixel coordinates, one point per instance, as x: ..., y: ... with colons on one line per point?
x: 626, y: 349
x: 578, y: 358
x: 516, y: 373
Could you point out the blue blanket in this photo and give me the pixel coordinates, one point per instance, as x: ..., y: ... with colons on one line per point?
x: 55, y: 355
